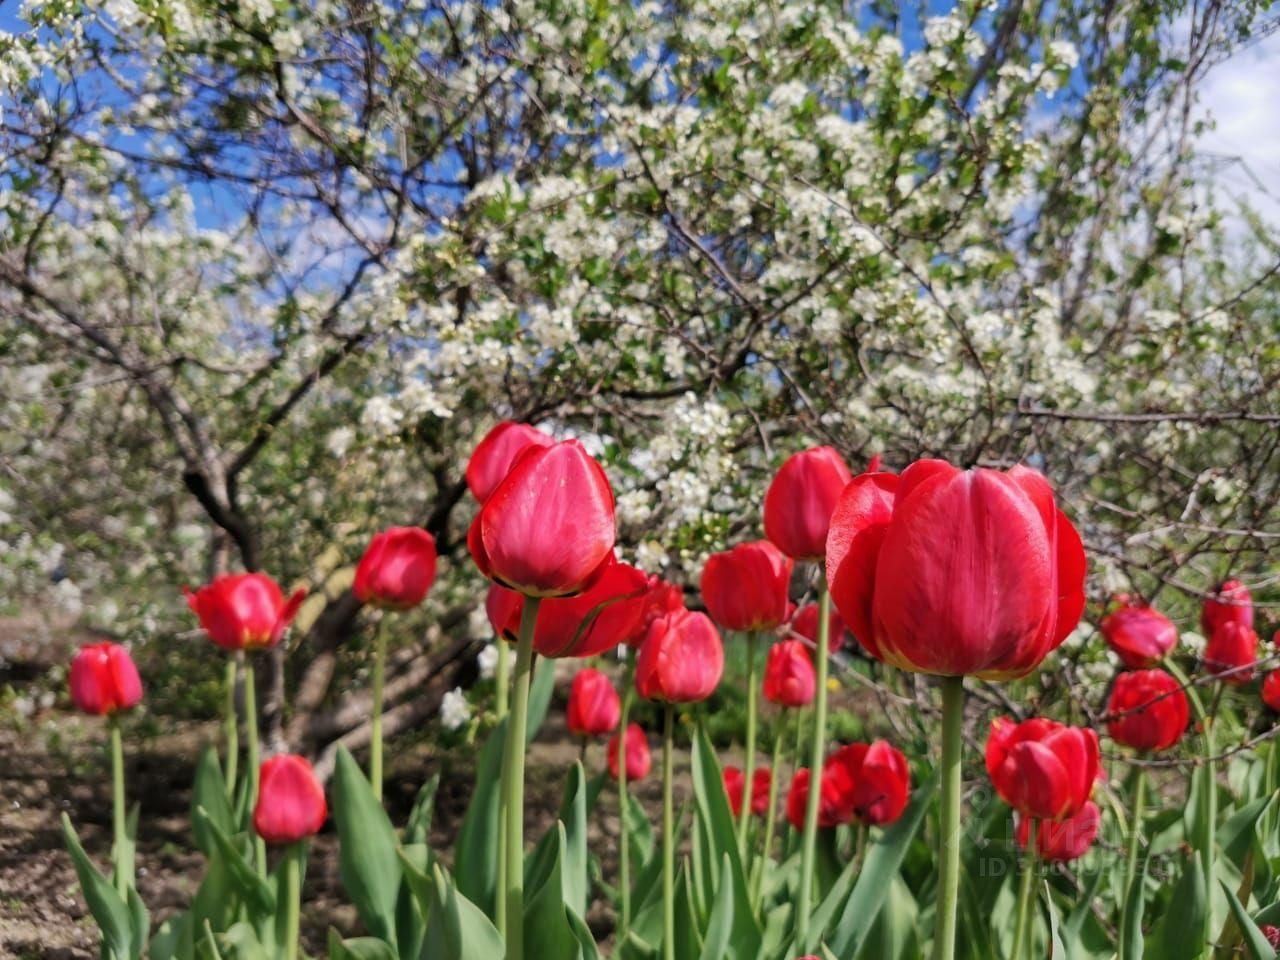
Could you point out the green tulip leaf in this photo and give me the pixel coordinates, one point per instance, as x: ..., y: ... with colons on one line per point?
x: 418, y: 826
x: 1254, y: 938
x: 715, y: 943
x: 456, y: 928
x: 359, y: 948
x: 210, y: 792
x: 1180, y: 932
x: 253, y: 889
x: 109, y: 912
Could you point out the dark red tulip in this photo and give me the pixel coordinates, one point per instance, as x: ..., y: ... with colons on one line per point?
x: 1148, y: 710
x: 549, y: 527
x: 1230, y: 603
x: 1063, y: 840
x: 880, y: 782
x: 831, y: 802
x: 734, y: 781
x: 1041, y: 768
x: 798, y: 504
x: 1272, y: 935
x: 608, y: 613
x: 290, y: 803
x: 594, y: 706
x: 396, y: 571
x: 1139, y: 635
x: 681, y: 659
x: 1232, y: 646
x: 956, y: 572
x: 745, y: 588
x: 104, y: 679
x: 495, y: 455
x: 1271, y: 690
x: 789, y: 677
x: 244, y: 611
x: 639, y: 759
x: 804, y: 623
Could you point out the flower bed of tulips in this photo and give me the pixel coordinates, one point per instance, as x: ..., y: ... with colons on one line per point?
x: 1146, y: 825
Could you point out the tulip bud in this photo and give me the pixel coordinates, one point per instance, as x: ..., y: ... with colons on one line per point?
x: 789, y: 678
x: 880, y: 782
x: 745, y: 588
x: 956, y: 572
x: 1063, y: 840
x: 1233, y: 646
x: 1139, y: 635
x: 734, y: 782
x: 1041, y: 768
x: 1148, y: 710
x: 800, y: 499
x: 244, y: 610
x: 639, y: 759
x: 1271, y: 690
x: 681, y: 659
x: 548, y: 528
x: 497, y: 453
x: 291, y: 804
x: 804, y: 624
x: 397, y: 569
x: 104, y: 679
x: 594, y: 707
x: 1230, y: 603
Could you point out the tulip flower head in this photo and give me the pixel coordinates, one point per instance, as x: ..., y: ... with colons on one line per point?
x: 1230, y: 652
x: 956, y: 572
x: 291, y: 805
x: 594, y: 706
x: 495, y: 455
x: 662, y: 598
x: 681, y: 659
x: 1041, y: 768
x: 789, y: 677
x: 1272, y: 935
x: 1230, y: 603
x: 397, y: 569
x: 548, y: 528
x: 745, y: 588
x: 832, y: 809
x: 1148, y: 710
x: 104, y: 679
x: 1139, y: 635
x: 638, y: 757
x: 1271, y: 690
x: 804, y: 624
x: 761, y: 780
x: 799, y: 501
x: 1060, y: 841
x: 880, y: 782
x: 244, y: 611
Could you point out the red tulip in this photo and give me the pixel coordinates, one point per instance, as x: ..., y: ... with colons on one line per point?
x: 1063, y: 840
x: 397, y: 570
x: 956, y: 572
x: 804, y: 623
x: 1231, y: 602
x: 244, y: 610
x: 789, y: 678
x: 661, y: 599
x: 1272, y: 935
x: 1233, y: 645
x: 1139, y: 635
x: 594, y: 707
x: 761, y: 780
x: 1041, y: 768
x: 495, y: 455
x: 880, y: 782
x: 104, y: 679
x: 1271, y: 690
x: 608, y: 613
x: 503, y: 608
x: 799, y: 502
x: 549, y: 526
x: 745, y: 588
x: 835, y: 789
x: 638, y: 757
x: 1148, y: 710
x: 291, y: 803
x: 681, y: 659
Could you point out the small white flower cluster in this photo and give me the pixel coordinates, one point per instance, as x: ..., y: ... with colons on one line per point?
x: 455, y: 710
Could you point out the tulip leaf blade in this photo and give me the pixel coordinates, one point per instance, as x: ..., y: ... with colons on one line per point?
x: 418, y: 826
x: 209, y: 790
x: 1254, y: 938
x: 547, y: 932
x: 1131, y: 932
x: 456, y: 928
x: 254, y: 890
x: 359, y: 948
x: 1179, y: 935
x: 477, y: 873
x: 109, y: 912
x: 715, y: 943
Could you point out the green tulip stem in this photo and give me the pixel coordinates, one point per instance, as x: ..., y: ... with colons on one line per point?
x: 624, y: 803
x: 771, y: 820
x: 502, y: 679
x: 944, y: 937
x: 816, y: 753
x: 119, y: 824
x: 1022, y: 931
x: 513, y: 785
x: 291, y: 894
x: 379, y: 680
x: 668, y: 836
x: 231, y: 727
x: 1131, y: 862
x: 749, y: 765
x: 251, y: 735
x: 1208, y: 794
